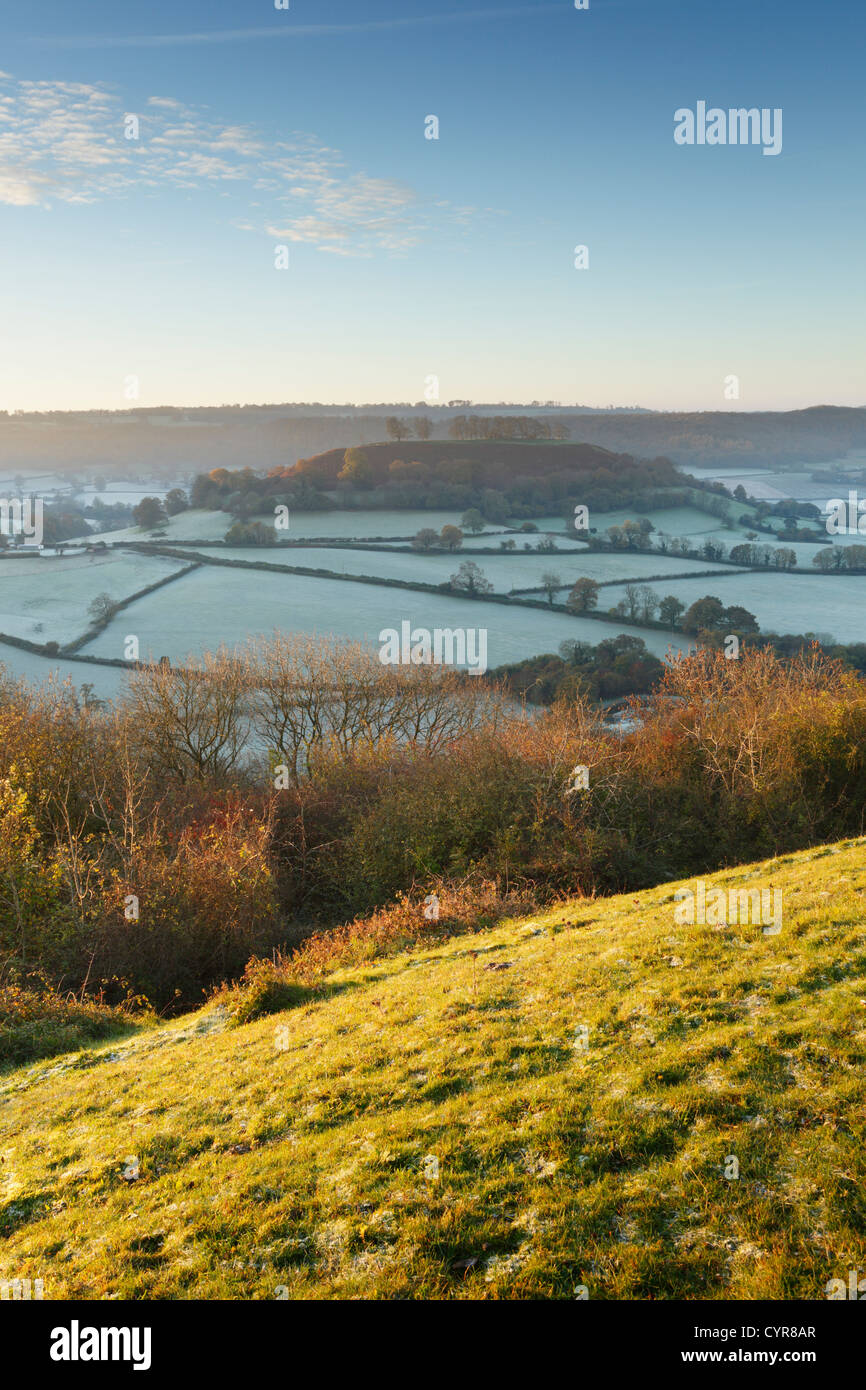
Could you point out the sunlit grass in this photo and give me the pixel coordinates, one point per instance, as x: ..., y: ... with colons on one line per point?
x: 294, y: 1156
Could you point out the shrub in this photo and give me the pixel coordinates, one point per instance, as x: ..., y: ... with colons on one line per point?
x: 290, y: 978
x: 206, y: 902
x: 265, y: 989
x: 397, y: 780
x: 37, y: 1023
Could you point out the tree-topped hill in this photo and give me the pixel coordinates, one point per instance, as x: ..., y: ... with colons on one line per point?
x: 478, y: 462
x: 504, y: 479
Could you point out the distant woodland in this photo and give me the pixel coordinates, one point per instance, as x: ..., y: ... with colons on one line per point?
x: 173, y: 440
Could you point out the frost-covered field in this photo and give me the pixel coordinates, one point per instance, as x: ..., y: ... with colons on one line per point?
x: 505, y: 571
x: 189, y: 525
x: 36, y: 481
x: 675, y: 521
x: 221, y: 606
x: 107, y: 681
x: 212, y: 526
x: 45, y: 598
x: 605, y: 567
x: 361, y: 524
x: 775, y: 484
x: 194, y: 526
x: 832, y: 605
x: 369, y: 524
x: 130, y: 495
x: 806, y: 551
x: 687, y: 521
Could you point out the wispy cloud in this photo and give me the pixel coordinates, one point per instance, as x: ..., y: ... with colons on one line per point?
x: 66, y: 142
x: 290, y: 30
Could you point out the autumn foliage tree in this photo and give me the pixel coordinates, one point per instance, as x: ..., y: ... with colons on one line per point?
x: 584, y: 595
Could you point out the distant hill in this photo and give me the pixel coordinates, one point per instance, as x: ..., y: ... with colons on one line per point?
x: 724, y: 438
x: 263, y: 437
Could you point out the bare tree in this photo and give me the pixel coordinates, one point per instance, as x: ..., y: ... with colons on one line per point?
x: 191, y: 720
x: 550, y: 582
x: 101, y: 607
x: 309, y: 696
x: 471, y: 578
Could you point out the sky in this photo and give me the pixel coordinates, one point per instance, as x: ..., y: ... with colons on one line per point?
x: 152, y: 270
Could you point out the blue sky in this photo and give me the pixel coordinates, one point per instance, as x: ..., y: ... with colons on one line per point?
x: 149, y: 264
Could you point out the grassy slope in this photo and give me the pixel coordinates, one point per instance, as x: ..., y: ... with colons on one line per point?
x: 291, y: 1152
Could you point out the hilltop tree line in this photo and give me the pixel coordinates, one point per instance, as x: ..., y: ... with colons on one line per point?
x: 513, y: 427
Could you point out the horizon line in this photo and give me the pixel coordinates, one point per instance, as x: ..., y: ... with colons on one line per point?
x: 10, y: 414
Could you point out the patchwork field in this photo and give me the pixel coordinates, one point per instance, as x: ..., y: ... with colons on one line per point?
x: 505, y: 571
x: 831, y: 604
x: 217, y: 605
x: 189, y: 525
x: 45, y: 598
x: 206, y: 526
x: 370, y: 523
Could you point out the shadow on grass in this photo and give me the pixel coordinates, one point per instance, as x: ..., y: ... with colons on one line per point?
x: 39, y: 1041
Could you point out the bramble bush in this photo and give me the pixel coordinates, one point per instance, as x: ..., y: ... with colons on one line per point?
x: 147, y: 842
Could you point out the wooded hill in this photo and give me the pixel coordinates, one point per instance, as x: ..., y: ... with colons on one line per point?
x: 479, y: 463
